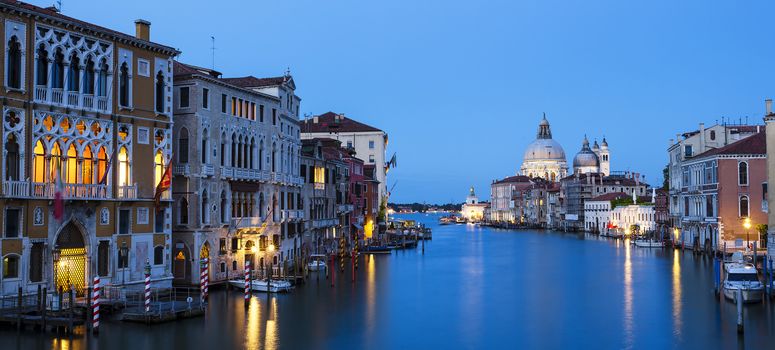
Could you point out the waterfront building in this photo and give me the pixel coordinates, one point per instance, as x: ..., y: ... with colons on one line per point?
x: 723, y: 190
x: 554, y: 208
x: 372, y: 199
x: 86, y: 116
x: 536, y: 202
x: 502, y: 199
x: 370, y: 143
x: 662, y: 212
x: 544, y: 157
x: 689, y: 144
x: 633, y: 219
x: 576, y: 189
x: 356, y: 193
x: 236, y: 184
x: 472, y: 210
x: 597, y: 212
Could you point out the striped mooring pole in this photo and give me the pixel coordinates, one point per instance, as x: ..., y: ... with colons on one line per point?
x: 202, y: 280
x: 247, y: 283
x: 96, y: 306
x: 147, y: 285
x: 207, y: 278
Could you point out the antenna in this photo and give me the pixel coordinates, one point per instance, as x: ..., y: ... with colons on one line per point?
x: 213, y: 49
x: 59, y: 6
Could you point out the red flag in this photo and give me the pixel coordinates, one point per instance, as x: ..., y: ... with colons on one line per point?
x: 59, y: 200
x: 164, y: 184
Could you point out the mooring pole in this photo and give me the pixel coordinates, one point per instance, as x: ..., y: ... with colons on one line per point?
x: 739, y: 311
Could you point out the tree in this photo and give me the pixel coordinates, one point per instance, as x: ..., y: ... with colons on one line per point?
x: 666, y: 178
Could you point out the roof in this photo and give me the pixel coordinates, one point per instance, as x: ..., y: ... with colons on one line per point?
x: 252, y: 82
x: 609, y: 196
x: 53, y: 14
x: 334, y: 122
x: 180, y: 68
x: 756, y: 144
x: 512, y: 179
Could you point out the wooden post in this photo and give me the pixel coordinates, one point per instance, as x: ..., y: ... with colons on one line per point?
x: 44, y: 310
x: 88, y: 303
x: 72, y: 306
x: 739, y: 311
x: 19, y: 303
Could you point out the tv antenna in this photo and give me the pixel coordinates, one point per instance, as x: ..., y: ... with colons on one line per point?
x: 213, y: 50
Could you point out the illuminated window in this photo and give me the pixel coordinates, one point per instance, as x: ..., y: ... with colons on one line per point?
x: 11, y: 266
x: 320, y: 175
x: 233, y: 106
x: 55, y: 162
x: 71, y: 171
x: 123, y: 167
x: 102, y: 165
x: 39, y: 163
x: 87, y: 166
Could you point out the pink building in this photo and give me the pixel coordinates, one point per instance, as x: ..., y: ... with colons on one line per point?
x: 723, y: 189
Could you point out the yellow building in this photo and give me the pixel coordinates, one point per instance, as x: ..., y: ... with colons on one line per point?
x: 90, y: 107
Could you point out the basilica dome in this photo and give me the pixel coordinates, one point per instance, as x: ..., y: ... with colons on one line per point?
x: 544, y: 157
x: 544, y: 149
x: 586, y: 160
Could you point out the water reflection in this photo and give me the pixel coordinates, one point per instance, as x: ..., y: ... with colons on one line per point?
x: 253, y: 331
x: 677, y: 307
x: 371, y: 293
x: 272, y: 334
x: 628, y: 317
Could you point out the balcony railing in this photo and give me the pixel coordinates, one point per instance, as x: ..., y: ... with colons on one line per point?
x: 208, y: 170
x: 127, y: 192
x: 292, y: 214
x: 240, y: 174
x: 324, y: 223
x: 344, y: 208
x: 184, y: 170
x: 74, y: 191
x: 16, y: 189
x: 58, y: 96
x: 246, y: 222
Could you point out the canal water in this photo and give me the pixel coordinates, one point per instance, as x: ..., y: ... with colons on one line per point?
x: 473, y: 288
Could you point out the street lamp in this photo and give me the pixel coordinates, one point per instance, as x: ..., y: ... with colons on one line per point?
x: 747, y: 225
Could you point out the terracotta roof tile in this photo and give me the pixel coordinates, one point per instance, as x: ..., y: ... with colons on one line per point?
x: 251, y: 81
x: 756, y: 144
x: 327, y: 122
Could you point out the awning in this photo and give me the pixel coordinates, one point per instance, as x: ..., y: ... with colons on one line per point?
x: 358, y: 226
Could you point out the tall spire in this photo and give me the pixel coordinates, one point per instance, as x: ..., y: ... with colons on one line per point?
x: 544, y: 131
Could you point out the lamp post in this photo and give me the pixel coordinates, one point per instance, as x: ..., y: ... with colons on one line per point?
x: 124, y: 261
x: 747, y: 225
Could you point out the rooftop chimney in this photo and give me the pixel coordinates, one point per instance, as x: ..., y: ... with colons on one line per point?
x: 143, y: 29
x: 768, y: 103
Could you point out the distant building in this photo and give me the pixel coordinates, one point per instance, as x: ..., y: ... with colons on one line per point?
x: 633, y: 219
x: 597, y: 212
x: 592, y: 160
x: 575, y: 190
x: 472, y: 210
x: 544, y: 157
x: 502, y: 199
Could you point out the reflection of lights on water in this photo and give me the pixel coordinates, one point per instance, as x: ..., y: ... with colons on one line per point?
x: 253, y: 331
x: 371, y: 289
x: 272, y: 337
x: 628, y: 317
x: 677, y: 322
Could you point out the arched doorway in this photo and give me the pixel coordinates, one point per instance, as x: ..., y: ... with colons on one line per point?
x: 180, y: 267
x: 70, y: 268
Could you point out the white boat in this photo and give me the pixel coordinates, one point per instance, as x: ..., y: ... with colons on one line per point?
x: 275, y: 286
x: 647, y: 243
x: 742, y: 276
x: 316, y: 265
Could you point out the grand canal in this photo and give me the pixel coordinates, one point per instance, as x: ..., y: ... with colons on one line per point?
x: 472, y: 288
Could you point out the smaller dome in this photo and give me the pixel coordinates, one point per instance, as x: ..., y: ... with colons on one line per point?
x: 595, y: 146
x: 604, y: 144
x: 585, y: 157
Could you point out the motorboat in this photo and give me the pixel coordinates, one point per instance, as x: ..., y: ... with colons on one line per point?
x: 376, y: 249
x: 648, y: 243
x: 742, y: 276
x: 273, y: 286
x: 317, y: 262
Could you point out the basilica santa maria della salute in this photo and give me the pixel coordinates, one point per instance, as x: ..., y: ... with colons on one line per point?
x: 545, y: 158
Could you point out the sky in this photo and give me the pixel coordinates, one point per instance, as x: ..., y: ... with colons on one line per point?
x: 460, y: 86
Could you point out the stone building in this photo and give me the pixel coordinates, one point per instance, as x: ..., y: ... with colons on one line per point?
x: 578, y: 188
x: 544, y: 157
x: 87, y: 107
x: 597, y: 212
x: 236, y: 188
x: 502, y: 199
x: 472, y: 210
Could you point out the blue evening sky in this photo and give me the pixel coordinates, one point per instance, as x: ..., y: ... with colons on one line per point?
x: 460, y: 85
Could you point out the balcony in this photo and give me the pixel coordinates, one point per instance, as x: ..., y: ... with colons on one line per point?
x: 73, y: 99
x: 239, y: 174
x: 320, y: 223
x: 127, y: 192
x: 208, y: 170
x: 289, y: 214
x: 344, y: 208
x: 182, y: 170
x: 245, y: 222
x: 70, y: 191
x: 16, y: 189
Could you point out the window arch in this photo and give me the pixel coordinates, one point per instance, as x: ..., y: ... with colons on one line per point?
x: 41, y: 66
x: 204, y: 210
x: 11, y: 158
x: 742, y: 173
x: 183, y: 146
x: 55, y: 162
x: 88, y: 77
x: 11, y: 266
x: 252, y: 152
x: 102, y: 78
x: 713, y: 135
x: 124, y: 167
x: 204, y: 149
x: 102, y: 165
x: 58, y: 70
x: 233, y: 159
x: 223, y: 149
x: 71, y: 167
x: 239, y: 152
x: 123, y: 85
x: 158, y: 167
x: 87, y: 166
x: 159, y: 92
x: 224, y: 209
x: 183, y: 218
x: 74, y: 73
x: 14, y: 73
x: 261, y: 155
x: 744, y: 209
x: 274, y: 156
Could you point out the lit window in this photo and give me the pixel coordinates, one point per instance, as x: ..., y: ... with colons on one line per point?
x: 123, y: 167
x: 11, y: 266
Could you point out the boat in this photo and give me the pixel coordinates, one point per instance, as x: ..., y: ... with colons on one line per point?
x: 317, y: 262
x: 376, y: 249
x: 648, y: 243
x: 742, y: 276
x: 273, y: 286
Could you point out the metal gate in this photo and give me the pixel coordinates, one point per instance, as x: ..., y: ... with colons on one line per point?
x: 71, y: 270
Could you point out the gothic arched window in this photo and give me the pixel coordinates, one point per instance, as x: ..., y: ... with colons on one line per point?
x: 12, y: 158
x: 88, y: 77
x: 14, y: 72
x: 744, y: 206
x: 87, y: 166
x: 41, y: 67
x: 123, y: 85
x: 71, y: 171
x: 74, y: 73
x: 183, y: 146
x: 123, y: 167
x: 223, y: 208
x: 58, y: 70
x: 102, y: 166
x: 160, y: 92
x: 204, y: 149
x: 204, y: 210
x: 183, y: 219
x: 39, y: 163
x: 102, y: 78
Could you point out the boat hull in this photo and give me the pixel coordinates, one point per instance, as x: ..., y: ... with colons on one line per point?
x: 749, y: 295
x: 264, y: 286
